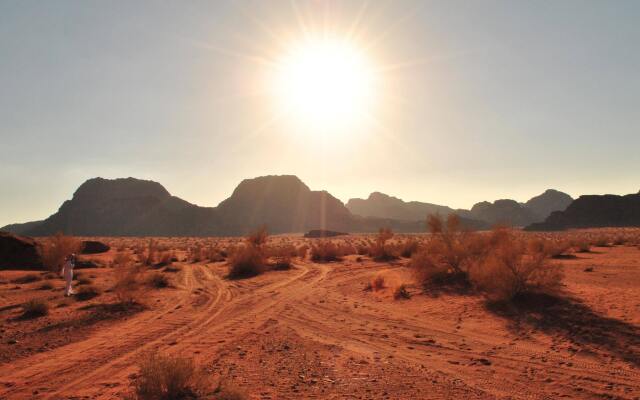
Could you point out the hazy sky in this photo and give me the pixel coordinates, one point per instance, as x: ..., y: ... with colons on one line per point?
x: 477, y: 100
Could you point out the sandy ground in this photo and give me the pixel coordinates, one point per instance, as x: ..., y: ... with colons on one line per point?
x: 313, y: 332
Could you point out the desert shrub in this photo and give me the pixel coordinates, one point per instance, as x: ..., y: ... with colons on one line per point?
x: 164, y: 258
x: 158, y: 281
x: 213, y: 254
x: 29, y: 278
x: 164, y: 377
x: 56, y: 248
x: 325, y: 251
x: 556, y: 248
x: 227, y: 392
x: 510, y: 270
x: 378, y: 283
x: 259, y: 237
x: 246, y: 261
x: 128, y: 281
x: 601, y: 241
x: 150, y: 255
x: 401, y: 292
x: 582, y: 246
x: 408, y: 247
x: 450, y: 253
x: 35, y: 308
x: 196, y: 253
x: 428, y: 269
x: 380, y: 250
x: 87, y: 292
x: 281, y: 256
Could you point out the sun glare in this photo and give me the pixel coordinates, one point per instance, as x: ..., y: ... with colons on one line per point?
x: 325, y: 84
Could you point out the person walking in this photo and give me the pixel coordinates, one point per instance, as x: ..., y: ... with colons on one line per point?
x: 67, y: 273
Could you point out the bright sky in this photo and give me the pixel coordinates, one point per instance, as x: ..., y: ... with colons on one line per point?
x: 450, y: 102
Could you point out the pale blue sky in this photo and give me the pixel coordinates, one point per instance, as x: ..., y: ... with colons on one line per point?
x: 481, y: 100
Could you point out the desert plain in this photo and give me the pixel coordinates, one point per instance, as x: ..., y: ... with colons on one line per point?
x: 355, y: 328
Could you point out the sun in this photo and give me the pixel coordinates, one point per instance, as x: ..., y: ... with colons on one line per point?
x: 325, y: 83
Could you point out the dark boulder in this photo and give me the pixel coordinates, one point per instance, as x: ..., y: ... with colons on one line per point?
x: 323, y: 233
x: 17, y: 252
x: 94, y: 247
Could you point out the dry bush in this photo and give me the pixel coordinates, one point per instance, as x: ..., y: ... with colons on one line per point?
x: 196, y: 253
x: 601, y: 241
x: 158, y: 281
x: 378, y: 283
x: 408, y: 248
x: 246, y: 261
x: 427, y: 269
x: 380, y: 250
x: 259, y: 237
x: 282, y: 256
x: 510, y: 270
x: 151, y: 253
x: 227, y: 392
x: 35, y: 308
x: 556, y: 248
x: 325, y: 251
x: 56, y: 248
x: 87, y: 292
x: 128, y: 280
x: 401, y: 292
x: 582, y: 246
x: 213, y: 254
x: 164, y: 377
x: 449, y: 255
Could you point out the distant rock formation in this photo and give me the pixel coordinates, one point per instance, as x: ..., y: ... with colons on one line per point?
x: 551, y: 200
x: 133, y: 207
x: 18, y: 252
x: 508, y: 212
x: 21, y: 229
x: 384, y: 206
x: 323, y: 233
x: 594, y: 211
x: 124, y: 207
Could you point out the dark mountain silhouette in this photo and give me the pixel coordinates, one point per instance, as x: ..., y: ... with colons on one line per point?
x: 21, y: 229
x: 127, y: 207
x: 546, y: 203
x: 594, y: 211
x: 385, y: 206
x: 507, y: 212
x: 133, y: 207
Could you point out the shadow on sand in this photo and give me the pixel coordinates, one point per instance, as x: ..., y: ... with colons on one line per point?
x: 574, y: 321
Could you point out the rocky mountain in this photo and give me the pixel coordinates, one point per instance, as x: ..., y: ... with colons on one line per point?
x: 133, y: 207
x: 506, y: 211
x: 127, y: 207
x: 384, y: 206
x: 551, y: 200
x: 594, y: 211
